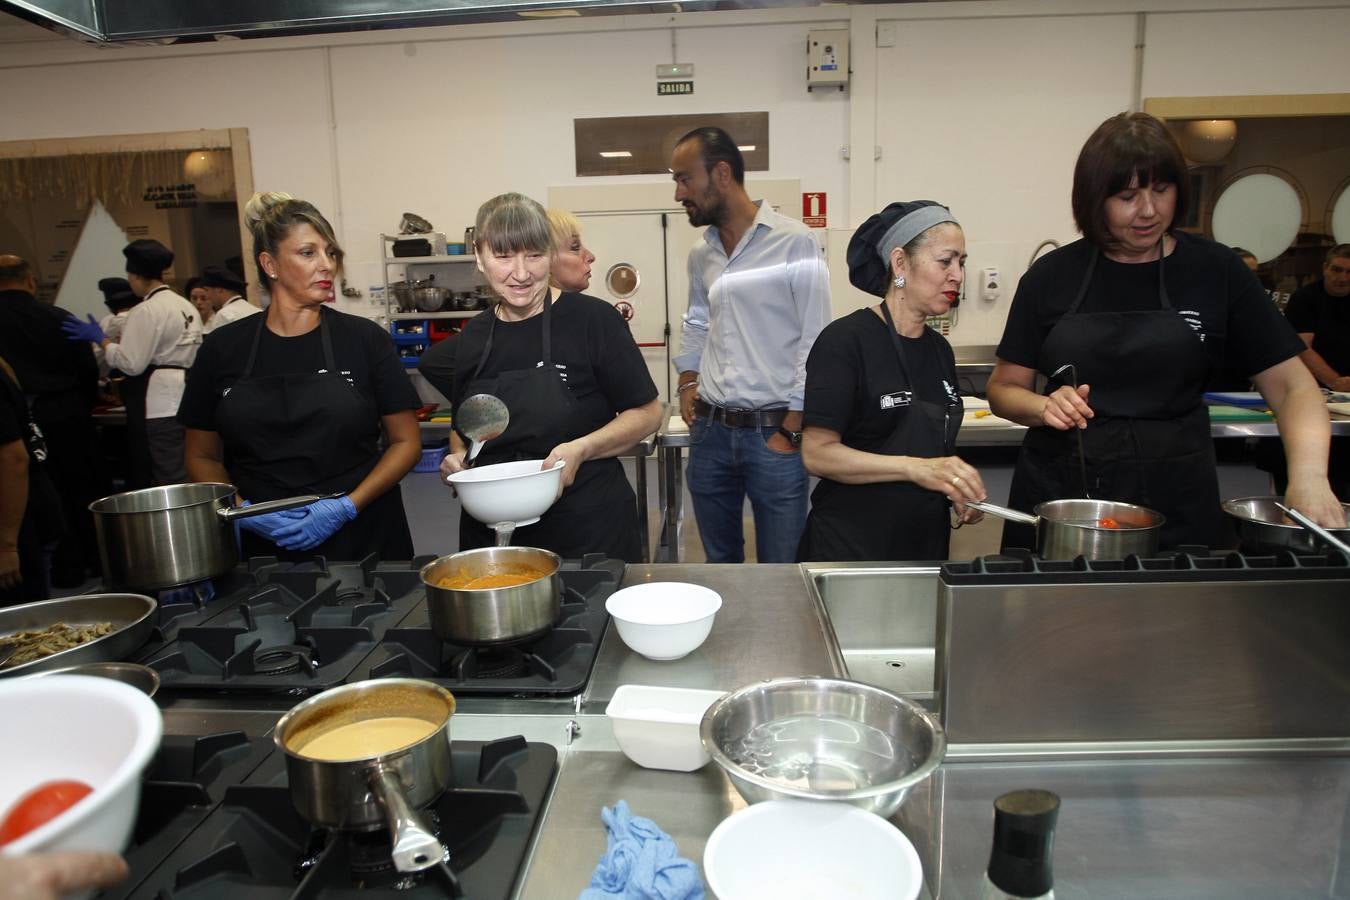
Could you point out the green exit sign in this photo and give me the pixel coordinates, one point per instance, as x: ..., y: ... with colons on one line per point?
x: 670, y: 88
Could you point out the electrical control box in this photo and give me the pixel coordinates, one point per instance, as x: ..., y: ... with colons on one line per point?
x: 991, y: 284
x: 827, y: 59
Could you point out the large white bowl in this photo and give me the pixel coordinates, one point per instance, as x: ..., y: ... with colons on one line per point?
x: 657, y: 727
x: 518, y: 492
x: 805, y: 850
x: 664, y: 620
x: 95, y: 730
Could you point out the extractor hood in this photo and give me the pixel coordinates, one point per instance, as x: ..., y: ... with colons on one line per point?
x: 171, y: 21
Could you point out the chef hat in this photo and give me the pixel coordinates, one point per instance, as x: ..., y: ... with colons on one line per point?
x: 116, y: 301
x: 869, y: 250
x: 147, y: 258
x: 218, y: 277
x: 110, y: 286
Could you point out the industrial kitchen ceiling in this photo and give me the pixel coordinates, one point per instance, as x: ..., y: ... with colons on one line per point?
x: 113, y: 21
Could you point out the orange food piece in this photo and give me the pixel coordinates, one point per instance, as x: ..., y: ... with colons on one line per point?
x: 40, y: 805
x: 1108, y: 523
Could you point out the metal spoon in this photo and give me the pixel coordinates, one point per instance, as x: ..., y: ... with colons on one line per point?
x: 479, y: 419
x: 1316, y: 529
x: 1082, y: 459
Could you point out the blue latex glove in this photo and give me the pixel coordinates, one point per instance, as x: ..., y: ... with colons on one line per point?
x: 83, y: 331
x: 319, y: 522
x: 268, y: 524
x: 641, y: 863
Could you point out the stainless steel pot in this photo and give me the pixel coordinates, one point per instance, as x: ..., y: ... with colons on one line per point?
x: 1066, y: 529
x: 493, y: 615
x: 430, y: 299
x: 380, y: 790
x: 402, y: 294
x: 166, y: 536
x: 1263, y: 528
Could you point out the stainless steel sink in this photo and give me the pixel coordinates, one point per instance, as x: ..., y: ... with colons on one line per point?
x: 884, y: 619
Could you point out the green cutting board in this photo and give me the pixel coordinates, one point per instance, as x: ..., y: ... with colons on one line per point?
x: 1238, y: 414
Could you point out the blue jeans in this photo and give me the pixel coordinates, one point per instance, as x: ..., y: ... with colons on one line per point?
x: 727, y: 464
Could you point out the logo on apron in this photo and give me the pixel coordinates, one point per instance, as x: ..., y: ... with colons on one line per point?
x: 1192, y: 318
x: 899, y: 398
x: 953, y: 395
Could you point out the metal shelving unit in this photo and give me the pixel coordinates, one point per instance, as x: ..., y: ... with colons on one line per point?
x: 455, y: 272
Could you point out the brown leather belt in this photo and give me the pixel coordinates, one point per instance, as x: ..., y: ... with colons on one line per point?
x: 741, y: 418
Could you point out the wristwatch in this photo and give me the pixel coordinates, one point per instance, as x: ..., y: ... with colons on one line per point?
x: 794, y: 437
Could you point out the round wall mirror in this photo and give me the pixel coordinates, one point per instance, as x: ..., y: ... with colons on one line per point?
x: 1261, y: 211
x: 1338, y: 216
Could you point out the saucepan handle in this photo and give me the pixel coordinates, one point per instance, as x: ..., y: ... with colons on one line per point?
x: 1003, y: 512
x: 414, y: 846
x: 269, y: 506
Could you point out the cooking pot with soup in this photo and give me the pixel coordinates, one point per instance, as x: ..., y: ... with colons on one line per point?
x: 493, y: 595
x: 366, y: 756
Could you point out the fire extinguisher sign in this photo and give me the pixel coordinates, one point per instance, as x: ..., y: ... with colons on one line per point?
x: 813, y: 210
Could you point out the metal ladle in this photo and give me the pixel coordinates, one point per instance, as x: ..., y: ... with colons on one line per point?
x: 1082, y: 459
x: 479, y: 419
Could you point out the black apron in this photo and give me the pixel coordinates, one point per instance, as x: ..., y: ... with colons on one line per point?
x: 898, y: 521
x: 598, y: 513
x: 1149, y: 441
x: 292, y: 434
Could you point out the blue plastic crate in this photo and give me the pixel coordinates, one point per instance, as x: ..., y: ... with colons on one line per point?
x: 431, y: 459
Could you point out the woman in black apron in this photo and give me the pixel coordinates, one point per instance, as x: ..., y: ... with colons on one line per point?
x: 273, y: 407
x: 1145, y: 316
x: 882, y: 408
x: 573, y: 380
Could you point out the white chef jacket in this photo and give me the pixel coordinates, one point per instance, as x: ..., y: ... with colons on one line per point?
x: 162, y: 330
x: 112, y: 325
x: 232, y: 310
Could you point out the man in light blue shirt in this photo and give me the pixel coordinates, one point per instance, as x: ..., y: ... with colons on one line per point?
x: 758, y: 296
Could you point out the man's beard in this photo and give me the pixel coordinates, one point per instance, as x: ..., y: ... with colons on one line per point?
x: 711, y: 212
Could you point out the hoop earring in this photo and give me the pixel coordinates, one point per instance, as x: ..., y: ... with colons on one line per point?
x: 899, y: 281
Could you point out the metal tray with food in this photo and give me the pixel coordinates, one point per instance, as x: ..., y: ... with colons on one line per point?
x: 86, y: 628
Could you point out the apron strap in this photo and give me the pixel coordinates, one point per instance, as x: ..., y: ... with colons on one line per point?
x: 324, y: 335
x: 1092, y: 267
x: 253, y: 347
x: 548, y: 338
x: 895, y: 342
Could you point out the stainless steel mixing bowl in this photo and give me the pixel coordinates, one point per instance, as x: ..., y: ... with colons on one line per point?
x: 823, y: 739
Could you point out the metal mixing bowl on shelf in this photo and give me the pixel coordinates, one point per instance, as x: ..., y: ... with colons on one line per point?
x: 823, y: 739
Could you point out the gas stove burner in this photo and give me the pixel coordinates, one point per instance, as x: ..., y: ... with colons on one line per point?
x: 199, y: 593
x: 286, y: 659
x: 489, y: 662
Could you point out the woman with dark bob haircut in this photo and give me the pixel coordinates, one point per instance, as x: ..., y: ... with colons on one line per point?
x: 1146, y: 314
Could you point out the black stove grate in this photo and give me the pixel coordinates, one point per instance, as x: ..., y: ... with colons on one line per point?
x: 1188, y: 564
x: 254, y: 844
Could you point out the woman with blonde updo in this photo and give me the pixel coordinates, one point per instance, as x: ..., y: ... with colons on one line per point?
x: 294, y: 401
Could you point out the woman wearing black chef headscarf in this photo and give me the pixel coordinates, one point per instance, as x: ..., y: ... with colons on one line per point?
x: 294, y: 401
x: 1146, y: 314
x: 882, y: 408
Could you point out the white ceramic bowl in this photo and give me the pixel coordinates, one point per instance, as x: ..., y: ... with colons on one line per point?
x: 95, y: 730
x: 807, y: 849
x: 518, y: 492
x: 657, y: 727
x: 664, y: 619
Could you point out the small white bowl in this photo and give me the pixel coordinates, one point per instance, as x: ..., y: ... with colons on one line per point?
x: 518, y: 492
x: 95, y: 730
x: 808, y: 849
x: 657, y: 727
x: 664, y: 620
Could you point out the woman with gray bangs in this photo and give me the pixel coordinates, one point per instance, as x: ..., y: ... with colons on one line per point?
x: 572, y: 377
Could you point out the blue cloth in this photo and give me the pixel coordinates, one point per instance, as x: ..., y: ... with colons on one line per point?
x: 320, y: 521
x: 269, y: 524
x: 641, y: 863
x: 727, y: 464
x: 83, y: 331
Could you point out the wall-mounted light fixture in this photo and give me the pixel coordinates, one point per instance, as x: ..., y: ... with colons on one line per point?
x: 1207, y: 142
x: 211, y: 172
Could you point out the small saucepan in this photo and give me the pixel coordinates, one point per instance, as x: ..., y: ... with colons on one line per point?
x: 1095, y: 529
x: 366, y: 756
x: 493, y: 595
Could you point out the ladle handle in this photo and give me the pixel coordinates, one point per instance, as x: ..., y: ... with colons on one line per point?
x: 230, y: 513
x: 1316, y: 529
x: 1003, y: 512
x: 414, y: 846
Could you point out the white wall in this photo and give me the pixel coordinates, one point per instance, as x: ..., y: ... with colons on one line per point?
x: 982, y: 103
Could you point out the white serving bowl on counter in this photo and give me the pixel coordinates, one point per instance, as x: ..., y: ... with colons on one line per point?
x: 657, y: 727
x: 518, y: 492
x: 664, y: 620
x: 802, y: 850
x: 95, y: 730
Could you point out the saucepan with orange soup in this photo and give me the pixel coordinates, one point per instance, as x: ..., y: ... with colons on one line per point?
x: 368, y: 755
x: 493, y: 595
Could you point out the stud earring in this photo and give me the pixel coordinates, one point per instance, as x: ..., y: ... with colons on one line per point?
x: 899, y: 281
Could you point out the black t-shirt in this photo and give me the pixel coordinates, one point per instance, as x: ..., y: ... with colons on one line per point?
x: 1207, y: 284
x: 42, y: 513
x: 60, y: 373
x: 438, y: 365
x: 361, y: 350
x: 853, y: 365
x: 1313, y: 311
x: 593, y: 352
